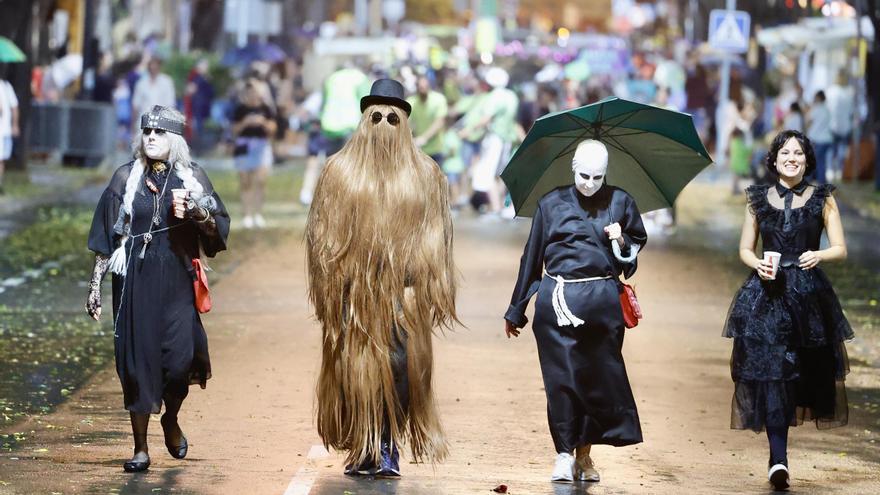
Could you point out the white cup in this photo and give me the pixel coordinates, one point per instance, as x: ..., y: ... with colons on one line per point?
x: 773, y: 258
x: 178, y: 194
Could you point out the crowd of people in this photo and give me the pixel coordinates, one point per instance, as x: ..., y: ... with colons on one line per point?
x: 826, y: 117
x: 470, y: 115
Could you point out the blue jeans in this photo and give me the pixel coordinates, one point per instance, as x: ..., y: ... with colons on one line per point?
x: 838, y: 151
x: 822, y: 150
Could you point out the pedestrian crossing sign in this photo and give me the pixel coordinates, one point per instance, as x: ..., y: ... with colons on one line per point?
x: 729, y: 30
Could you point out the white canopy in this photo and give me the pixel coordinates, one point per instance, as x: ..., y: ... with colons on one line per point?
x: 814, y: 32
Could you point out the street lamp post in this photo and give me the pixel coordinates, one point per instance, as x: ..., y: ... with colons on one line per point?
x: 723, y: 96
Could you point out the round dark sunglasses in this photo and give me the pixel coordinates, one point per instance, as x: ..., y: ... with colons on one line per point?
x: 392, y: 118
x: 148, y: 131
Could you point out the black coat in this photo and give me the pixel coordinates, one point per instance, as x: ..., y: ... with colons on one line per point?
x: 160, y: 343
x: 589, y: 400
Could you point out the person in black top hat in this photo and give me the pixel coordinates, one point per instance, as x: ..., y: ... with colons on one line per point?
x: 380, y: 297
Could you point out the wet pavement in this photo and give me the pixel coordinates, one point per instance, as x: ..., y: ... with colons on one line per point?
x: 252, y: 428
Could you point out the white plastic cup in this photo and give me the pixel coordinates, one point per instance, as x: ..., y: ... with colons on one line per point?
x: 179, y: 194
x: 773, y: 258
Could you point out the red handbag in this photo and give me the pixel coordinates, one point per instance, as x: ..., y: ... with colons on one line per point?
x: 200, y: 287
x: 632, y: 312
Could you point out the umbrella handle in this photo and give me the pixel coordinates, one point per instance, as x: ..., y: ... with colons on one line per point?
x: 633, y: 252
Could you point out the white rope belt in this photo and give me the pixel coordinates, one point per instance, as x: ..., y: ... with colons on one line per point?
x: 564, y: 316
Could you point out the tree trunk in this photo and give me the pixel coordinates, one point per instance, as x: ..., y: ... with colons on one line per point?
x: 207, y: 24
x: 15, y: 24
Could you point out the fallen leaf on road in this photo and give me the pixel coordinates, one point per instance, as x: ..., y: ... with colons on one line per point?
x: 500, y: 489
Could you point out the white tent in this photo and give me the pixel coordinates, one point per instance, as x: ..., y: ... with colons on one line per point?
x: 814, y: 33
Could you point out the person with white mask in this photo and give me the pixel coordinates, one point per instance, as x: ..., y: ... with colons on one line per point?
x: 571, y: 263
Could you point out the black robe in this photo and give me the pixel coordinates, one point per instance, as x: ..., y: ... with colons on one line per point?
x: 589, y: 400
x: 160, y: 344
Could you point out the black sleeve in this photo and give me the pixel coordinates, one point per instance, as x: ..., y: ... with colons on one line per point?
x: 216, y: 241
x: 102, y: 236
x: 633, y: 231
x: 531, y: 270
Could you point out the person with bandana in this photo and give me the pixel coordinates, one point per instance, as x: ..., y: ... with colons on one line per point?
x: 570, y: 262
x: 157, y: 219
x: 789, y: 361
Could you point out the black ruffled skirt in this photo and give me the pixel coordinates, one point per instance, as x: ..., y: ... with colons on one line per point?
x: 789, y: 361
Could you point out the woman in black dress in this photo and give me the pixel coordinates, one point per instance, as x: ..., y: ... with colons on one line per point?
x: 579, y: 327
x: 148, y: 239
x: 789, y: 361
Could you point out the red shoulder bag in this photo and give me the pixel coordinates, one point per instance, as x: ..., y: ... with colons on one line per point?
x: 200, y: 287
x: 632, y: 312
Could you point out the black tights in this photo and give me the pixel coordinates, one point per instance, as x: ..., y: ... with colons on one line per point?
x: 778, y: 438
x: 140, y: 422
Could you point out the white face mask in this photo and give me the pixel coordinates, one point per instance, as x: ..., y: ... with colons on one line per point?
x: 590, y: 163
x: 157, y: 146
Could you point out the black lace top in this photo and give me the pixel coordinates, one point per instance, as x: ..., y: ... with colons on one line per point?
x: 804, y: 229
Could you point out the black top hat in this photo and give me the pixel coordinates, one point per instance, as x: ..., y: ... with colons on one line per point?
x: 386, y: 92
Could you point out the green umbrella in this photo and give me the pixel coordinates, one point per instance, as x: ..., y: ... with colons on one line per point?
x: 9, y: 52
x: 652, y: 153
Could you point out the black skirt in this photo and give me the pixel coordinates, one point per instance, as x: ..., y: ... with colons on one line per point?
x: 589, y: 399
x: 789, y: 361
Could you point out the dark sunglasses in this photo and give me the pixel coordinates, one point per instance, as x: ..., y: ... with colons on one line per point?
x: 148, y: 131
x: 392, y: 118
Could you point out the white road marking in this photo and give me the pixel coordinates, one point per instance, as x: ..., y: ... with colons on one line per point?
x: 305, y: 477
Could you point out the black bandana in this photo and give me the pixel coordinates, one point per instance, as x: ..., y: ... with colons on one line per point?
x: 152, y: 120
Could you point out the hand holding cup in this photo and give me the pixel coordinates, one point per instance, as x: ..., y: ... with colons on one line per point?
x: 178, y: 202
x: 768, y: 266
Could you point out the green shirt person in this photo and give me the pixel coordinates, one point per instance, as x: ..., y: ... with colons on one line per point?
x: 502, y: 104
x: 343, y: 90
x: 427, y: 120
x: 472, y: 107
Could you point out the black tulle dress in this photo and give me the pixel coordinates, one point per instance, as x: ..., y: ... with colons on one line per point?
x: 160, y: 343
x: 789, y: 361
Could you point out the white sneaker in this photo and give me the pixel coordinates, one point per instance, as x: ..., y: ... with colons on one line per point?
x: 584, y: 469
x: 563, y: 470
x: 248, y: 222
x: 259, y: 221
x: 778, y: 476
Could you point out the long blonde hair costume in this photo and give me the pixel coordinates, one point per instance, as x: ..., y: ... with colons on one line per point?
x: 379, y: 247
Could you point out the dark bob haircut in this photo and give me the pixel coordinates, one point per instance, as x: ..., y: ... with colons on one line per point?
x: 780, y: 140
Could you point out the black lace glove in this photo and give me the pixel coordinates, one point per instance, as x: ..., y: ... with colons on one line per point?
x: 93, y: 301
